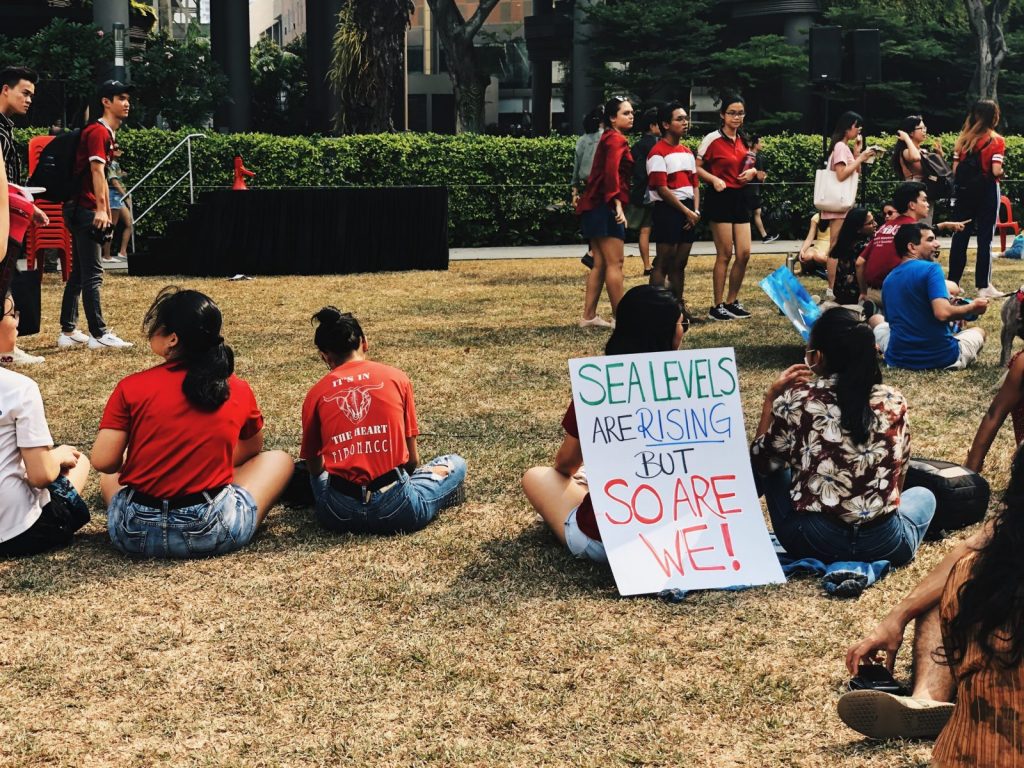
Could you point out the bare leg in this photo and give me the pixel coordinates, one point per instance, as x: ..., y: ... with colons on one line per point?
x: 613, y: 254
x: 126, y: 217
x: 741, y: 236
x: 645, y: 247
x: 682, y: 259
x: 834, y: 225
x: 661, y: 264
x: 932, y: 680
x: 78, y: 475
x: 554, y: 496
x: 265, y: 476
x: 722, y: 234
x: 595, y: 279
x: 759, y: 225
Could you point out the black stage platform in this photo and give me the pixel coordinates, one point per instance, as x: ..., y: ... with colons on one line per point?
x: 311, y: 231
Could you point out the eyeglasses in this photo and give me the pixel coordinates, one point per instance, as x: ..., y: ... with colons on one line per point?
x: 733, y: 113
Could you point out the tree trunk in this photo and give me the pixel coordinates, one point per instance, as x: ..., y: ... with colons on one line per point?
x: 986, y: 19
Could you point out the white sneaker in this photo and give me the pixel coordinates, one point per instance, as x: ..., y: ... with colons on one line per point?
x: 109, y: 340
x: 989, y: 292
x: 19, y: 357
x: 108, y: 262
x: 74, y: 340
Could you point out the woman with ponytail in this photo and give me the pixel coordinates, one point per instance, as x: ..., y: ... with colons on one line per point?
x: 180, y: 444
x: 832, y: 451
x: 359, y: 441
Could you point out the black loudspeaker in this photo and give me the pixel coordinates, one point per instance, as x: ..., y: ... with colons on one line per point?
x: 826, y: 57
x: 867, y: 56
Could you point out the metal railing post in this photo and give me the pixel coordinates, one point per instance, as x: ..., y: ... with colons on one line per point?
x: 191, y: 185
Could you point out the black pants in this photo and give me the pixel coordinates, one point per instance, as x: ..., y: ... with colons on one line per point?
x: 983, y: 211
x: 86, y: 273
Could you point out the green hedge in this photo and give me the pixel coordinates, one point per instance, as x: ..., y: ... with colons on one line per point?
x: 503, y: 191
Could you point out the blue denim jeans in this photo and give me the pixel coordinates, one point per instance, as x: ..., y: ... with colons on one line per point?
x: 829, y: 539
x: 408, y: 505
x: 221, y: 524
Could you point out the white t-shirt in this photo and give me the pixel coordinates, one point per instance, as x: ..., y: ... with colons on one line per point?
x: 22, y: 425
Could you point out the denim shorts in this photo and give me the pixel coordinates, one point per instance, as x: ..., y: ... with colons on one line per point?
x: 116, y: 201
x: 600, y: 222
x: 221, y: 524
x: 581, y: 545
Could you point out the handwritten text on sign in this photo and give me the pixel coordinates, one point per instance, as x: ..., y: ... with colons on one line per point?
x: 669, y: 473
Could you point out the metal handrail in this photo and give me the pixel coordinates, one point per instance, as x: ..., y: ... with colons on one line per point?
x: 187, y: 143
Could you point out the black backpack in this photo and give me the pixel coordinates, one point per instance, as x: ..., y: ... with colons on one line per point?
x: 938, y: 176
x: 961, y: 495
x: 56, y: 168
x: 969, y: 176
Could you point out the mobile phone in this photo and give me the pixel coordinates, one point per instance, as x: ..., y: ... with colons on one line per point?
x: 877, y: 149
x: 875, y: 677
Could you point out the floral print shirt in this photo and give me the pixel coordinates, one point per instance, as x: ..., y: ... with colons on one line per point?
x: 830, y: 473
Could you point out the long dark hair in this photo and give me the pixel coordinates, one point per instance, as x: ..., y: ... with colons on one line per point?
x: 592, y: 121
x: 337, y: 332
x: 849, y: 349
x: 201, y: 349
x: 645, y: 321
x: 843, y: 124
x: 850, y: 233
x: 908, y: 125
x: 990, y: 602
x: 611, y: 109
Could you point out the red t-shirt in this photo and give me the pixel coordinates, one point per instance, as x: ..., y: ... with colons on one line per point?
x: 357, y: 419
x: 880, y: 255
x: 585, y: 517
x: 673, y: 167
x: 724, y: 157
x: 96, y: 143
x: 610, y: 175
x: 993, y: 151
x: 173, y: 447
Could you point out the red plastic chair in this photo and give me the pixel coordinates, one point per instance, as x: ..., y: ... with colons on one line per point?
x: 55, y: 235
x: 1008, y: 224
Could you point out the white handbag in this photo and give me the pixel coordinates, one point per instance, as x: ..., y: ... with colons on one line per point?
x: 831, y: 194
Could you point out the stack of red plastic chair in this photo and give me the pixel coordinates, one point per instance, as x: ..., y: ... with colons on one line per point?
x: 54, y: 235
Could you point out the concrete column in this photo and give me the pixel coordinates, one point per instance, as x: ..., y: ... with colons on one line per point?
x: 586, y: 94
x: 229, y: 41
x: 106, y: 13
x: 540, y: 76
x: 321, y: 24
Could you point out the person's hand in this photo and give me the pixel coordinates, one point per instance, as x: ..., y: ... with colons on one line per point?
x: 748, y: 175
x: 858, y: 142
x: 979, y: 306
x: 100, y: 220
x: 956, y: 226
x: 867, y: 154
x: 795, y: 374
x: 937, y: 148
x: 717, y: 184
x: 620, y: 217
x: 956, y: 290
x: 39, y: 216
x: 67, y: 456
x: 886, y: 638
x: 692, y: 218
x: 904, y: 137
x: 575, y: 197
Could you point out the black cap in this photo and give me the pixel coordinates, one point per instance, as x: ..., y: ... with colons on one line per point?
x: 111, y: 88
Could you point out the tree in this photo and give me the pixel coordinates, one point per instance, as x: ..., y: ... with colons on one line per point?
x: 659, y: 49
x: 367, y: 62
x: 986, y: 19
x: 466, y: 68
x: 177, y: 80
x: 280, y: 83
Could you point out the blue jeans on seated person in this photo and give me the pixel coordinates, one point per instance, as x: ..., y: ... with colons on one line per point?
x: 221, y: 524
x: 407, y: 505
x: 829, y: 539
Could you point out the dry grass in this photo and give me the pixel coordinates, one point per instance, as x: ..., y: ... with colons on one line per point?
x: 475, y: 642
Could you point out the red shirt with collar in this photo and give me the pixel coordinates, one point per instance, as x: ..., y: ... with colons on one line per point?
x: 611, y: 174
x: 96, y: 143
x: 880, y: 255
x: 724, y: 157
x: 993, y: 151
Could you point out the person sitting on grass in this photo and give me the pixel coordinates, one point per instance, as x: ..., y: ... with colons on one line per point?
x: 359, y: 441
x: 858, y: 227
x: 968, y: 641
x: 40, y: 505
x: 832, y: 453
x: 180, y: 444
x: 813, y: 253
x: 917, y: 303
x: 649, y: 320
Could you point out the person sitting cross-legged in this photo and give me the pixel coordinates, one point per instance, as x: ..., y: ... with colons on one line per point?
x: 359, y: 441
x: 918, y: 335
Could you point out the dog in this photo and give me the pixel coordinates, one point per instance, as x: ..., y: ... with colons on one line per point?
x: 1010, y: 314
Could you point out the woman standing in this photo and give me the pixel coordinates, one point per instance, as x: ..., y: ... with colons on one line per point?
x: 842, y: 160
x: 977, y: 168
x: 583, y: 161
x: 601, y: 207
x: 832, y: 453
x: 721, y: 158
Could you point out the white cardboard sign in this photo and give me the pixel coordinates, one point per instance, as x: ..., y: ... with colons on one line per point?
x: 669, y: 471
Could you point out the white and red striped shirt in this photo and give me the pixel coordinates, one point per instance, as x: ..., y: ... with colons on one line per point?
x: 671, y: 166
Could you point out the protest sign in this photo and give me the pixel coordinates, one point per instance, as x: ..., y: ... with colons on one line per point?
x: 669, y: 471
x: 792, y: 299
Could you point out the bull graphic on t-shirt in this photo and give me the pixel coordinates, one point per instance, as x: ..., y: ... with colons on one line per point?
x: 354, y: 402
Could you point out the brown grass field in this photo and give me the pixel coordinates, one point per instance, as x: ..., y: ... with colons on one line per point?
x: 478, y: 641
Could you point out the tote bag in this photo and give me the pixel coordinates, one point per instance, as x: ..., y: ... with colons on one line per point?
x: 832, y: 195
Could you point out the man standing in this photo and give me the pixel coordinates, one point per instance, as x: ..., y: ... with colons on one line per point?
x: 672, y: 179
x: 638, y: 213
x: 17, y: 88
x: 917, y: 335
x: 88, y: 218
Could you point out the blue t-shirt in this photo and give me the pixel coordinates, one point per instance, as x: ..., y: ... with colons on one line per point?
x: 917, y: 340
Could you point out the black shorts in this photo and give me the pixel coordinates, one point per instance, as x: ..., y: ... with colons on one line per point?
x: 669, y: 224
x: 57, y: 523
x: 730, y: 206
x: 600, y: 222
